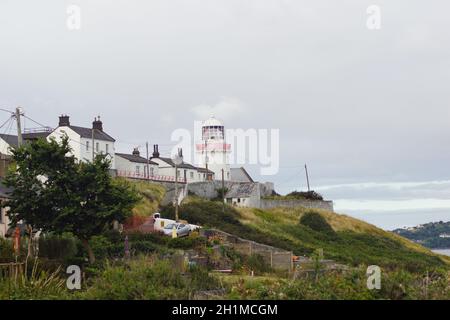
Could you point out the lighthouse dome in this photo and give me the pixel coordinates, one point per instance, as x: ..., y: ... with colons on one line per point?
x: 212, y: 122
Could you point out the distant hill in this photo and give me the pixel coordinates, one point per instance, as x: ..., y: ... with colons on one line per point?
x: 434, y: 235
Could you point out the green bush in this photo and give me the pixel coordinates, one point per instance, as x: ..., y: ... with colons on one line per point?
x: 316, y: 222
x: 6, y: 251
x: 59, y: 247
x: 256, y: 263
x: 147, y: 278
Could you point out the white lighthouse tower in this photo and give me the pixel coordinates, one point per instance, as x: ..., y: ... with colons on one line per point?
x: 213, y: 149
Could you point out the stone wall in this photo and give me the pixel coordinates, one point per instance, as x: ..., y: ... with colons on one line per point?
x: 310, y: 204
x: 276, y: 258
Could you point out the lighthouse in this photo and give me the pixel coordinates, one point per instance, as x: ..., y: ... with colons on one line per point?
x: 213, y: 150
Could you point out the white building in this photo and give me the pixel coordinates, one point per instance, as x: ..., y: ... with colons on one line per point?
x: 213, y: 149
x: 186, y: 172
x: 9, y: 142
x: 4, y: 220
x: 135, y: 166
x: 86, y: 142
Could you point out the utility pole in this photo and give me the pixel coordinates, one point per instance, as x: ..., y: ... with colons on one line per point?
x: 206, y: 160
x: 19, y: 127
x: 148, y: 162
x: 176, y: 192
x: 223, y: 192
x: 307, y: 177
x: 177, y: 160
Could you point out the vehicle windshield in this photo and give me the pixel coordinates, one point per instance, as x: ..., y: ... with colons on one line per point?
x: 169, y: 226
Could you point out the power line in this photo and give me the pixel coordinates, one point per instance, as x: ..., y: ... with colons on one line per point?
x: 7, y: 120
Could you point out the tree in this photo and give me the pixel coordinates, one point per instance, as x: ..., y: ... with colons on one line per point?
x: 54, y: 192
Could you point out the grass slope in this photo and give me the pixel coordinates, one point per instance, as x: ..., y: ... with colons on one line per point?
x: 354, y: 242
x: 151, y: 196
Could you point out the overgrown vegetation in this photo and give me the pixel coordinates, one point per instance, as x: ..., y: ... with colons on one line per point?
x: 297, y: 195
x: 356, y: 243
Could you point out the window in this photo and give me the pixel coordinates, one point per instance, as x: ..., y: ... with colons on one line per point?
x: 192, y: 175
x: 152, y: 171
x: 87, y: 145
x: 1, y: 215
x: 97, y: 146
x: 107, y: 148
x: 138, y: 170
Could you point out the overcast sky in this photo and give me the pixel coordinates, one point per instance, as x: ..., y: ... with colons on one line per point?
x: 368, y: 110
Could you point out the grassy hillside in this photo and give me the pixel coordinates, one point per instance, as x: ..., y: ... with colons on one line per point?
x: 353, y: 242
x: 151, y: 196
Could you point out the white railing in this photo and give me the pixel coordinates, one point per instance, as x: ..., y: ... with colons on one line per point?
x: 142, y: 176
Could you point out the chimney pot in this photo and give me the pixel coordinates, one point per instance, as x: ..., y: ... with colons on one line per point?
x: 64, y: 121
x: 97, y: 124
x: 155, y: 151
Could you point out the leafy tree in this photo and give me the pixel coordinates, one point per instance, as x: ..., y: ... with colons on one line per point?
x: 52, y: 191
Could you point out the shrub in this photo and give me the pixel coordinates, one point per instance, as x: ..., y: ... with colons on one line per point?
x: 6, y: 251
x: 316, y: 222
x: 147, y: 278
x: 59, y: 247
x: 309, y: 195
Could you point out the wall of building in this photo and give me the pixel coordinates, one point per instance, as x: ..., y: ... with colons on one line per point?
x: 208, y: 190
x: 4, y: 147
x: 79, y: 145
x: 191, y: 175
x: 74, y: 140
x: 124, y: 166
x: 105, y: 147
x: 4, y: 222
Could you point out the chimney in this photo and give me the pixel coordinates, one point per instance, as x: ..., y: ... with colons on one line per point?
x: 97, y: 124
x: 136, y: 152
x: 64, y: 121
x: 155, y: 151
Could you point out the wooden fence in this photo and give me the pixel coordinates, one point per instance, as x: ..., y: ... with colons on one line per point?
x: 11, y: 270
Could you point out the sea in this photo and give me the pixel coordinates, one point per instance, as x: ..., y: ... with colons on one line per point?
x: 391, y: 220
x: 442, y: 251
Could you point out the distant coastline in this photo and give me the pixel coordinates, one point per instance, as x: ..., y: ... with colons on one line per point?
x: 433, y: 235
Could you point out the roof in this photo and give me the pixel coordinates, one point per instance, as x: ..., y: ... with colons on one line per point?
x: 241, y: 190
x: 183, y: 165
x: 12, y: 140
x: 87, y: 133
x: 35, y: 135
x: 134, y: 158
x: 9, y: 139
x: 204, y: 170
x: 240, y: 175
x: 212, y: 122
